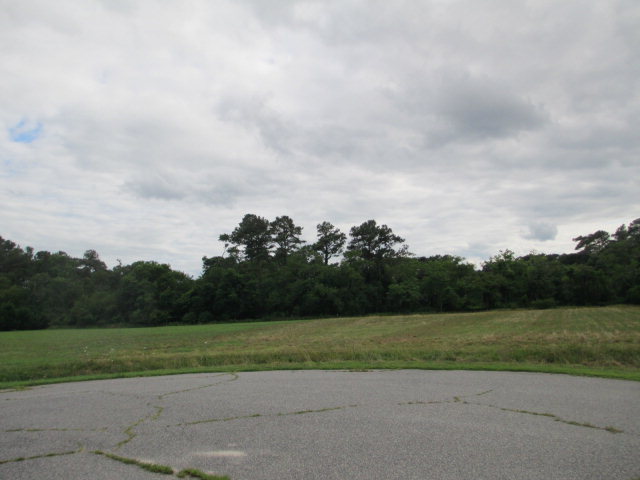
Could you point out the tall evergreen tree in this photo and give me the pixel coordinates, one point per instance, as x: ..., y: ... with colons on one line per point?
x: 330, y: 241
x: 370, y: 241
x: 253, y: 234
x: 286, y: 237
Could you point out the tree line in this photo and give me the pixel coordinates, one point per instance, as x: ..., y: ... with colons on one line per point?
x: 268, y: 271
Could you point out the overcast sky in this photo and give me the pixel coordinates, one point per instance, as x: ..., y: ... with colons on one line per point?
x: 145, y: 129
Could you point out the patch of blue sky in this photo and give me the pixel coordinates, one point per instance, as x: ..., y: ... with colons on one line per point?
x: 25, y: 131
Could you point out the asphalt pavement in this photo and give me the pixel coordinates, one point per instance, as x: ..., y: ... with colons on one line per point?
x: 324, y: 425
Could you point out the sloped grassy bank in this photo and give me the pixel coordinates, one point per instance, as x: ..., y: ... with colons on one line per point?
x: 602, y: 341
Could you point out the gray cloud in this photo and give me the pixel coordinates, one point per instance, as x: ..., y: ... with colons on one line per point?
x: 156, y: 185
x: 466, y: 129
x: 541, y: 231
x: 480, y: 109
x: 253, y: 113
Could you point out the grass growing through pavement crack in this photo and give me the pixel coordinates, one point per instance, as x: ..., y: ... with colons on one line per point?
x: 46, y: 455
x: 129, y: 430
x: 420, y: 402
x: 234, y: 377
x: 156, y: 415
x: 255, y: 415
x: 556, y: 418
x: 31, y: 430
x: 303, y: 412
x: 164, y: 469
x: 460, y: 399
x: 195, y: 473
x: 151, y: 467
x: 456, y: 399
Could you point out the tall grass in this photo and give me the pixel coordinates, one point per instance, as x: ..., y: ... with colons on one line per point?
x: 605, y: 340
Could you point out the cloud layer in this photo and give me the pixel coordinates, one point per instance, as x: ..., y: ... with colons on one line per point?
x: 146, y: 129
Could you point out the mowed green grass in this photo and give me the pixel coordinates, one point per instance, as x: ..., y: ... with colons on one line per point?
x: 601, y: 341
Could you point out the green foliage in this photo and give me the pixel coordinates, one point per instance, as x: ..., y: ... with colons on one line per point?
x: 370, y: 241
x: 267, y: 272
x: 330, y: 242
x: 150, y: 293
x: 594, y: 242
x: 253, y: 234
x: 150, y: 467
x: 286, y: 237
x: 543, y: 303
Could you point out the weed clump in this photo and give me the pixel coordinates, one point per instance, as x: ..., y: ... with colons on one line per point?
x: 150, y: 467
x: 195, y: 473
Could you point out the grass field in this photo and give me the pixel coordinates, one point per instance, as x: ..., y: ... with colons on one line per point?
x: 589, y: 341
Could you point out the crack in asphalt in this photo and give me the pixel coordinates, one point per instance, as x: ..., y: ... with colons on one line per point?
x: 129, y: 431
x: 556, y: 418
x: 151, y: 467
x: 31, y: 430
x: 44, y: 455
x: 455, y: 399
x: 137, y: 396
x: 233, y: 375
x: 256, y: 415
x: 162, y: 469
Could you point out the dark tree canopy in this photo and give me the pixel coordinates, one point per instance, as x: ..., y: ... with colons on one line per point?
x: 634, y: 229
x: 91, y: 262
x: 269, y: 273
x: 330, y: 242
x: 253, y: 234
x: 370, y: 241
x: 286, y: 236
x: 593, y: 242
